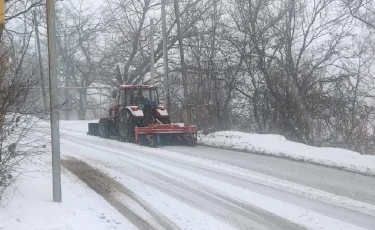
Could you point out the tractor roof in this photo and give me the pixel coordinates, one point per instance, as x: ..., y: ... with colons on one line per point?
x: 137, y: 87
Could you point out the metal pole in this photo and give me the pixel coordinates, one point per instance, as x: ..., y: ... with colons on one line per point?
x: 152, y: 51
x: 45, y: 103
x: 2, y: 17
x: 3, y: 62
x: 66, y: 78
x: 165, y: 58
x: 186, y: 110
x: 52, y: 60
x: 152, y: 54
x: 100, y: 102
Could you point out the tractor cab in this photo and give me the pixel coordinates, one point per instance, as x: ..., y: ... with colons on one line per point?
x: 142, y: 102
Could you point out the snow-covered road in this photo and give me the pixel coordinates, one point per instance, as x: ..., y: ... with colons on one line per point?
x: 204, y: 188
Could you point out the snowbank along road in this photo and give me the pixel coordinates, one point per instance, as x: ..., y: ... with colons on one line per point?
x: 204, y: 188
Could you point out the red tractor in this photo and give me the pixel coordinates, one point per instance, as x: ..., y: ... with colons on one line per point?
x: 138, y: 117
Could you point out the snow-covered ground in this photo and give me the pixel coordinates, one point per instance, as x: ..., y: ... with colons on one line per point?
x: 191, y: 192
x: 108, y: 184
x: 279, y: 146
x: 28, y: 204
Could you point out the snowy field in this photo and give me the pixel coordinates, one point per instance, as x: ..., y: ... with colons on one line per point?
x: 277, y: 145
x: 108, y: 184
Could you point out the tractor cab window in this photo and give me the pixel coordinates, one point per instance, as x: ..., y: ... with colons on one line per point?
x: 122, y: 97
x: 141, y: 96
x: 153, y: 95
x: 125, y: 97
x: 128, y: 98
x: 144, y: 96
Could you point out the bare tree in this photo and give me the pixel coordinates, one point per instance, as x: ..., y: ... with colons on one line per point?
x: 364, y: 11
x: 291, y: 43
x: 81, y: 53
x: 20, y: 105
x: 127, y: 25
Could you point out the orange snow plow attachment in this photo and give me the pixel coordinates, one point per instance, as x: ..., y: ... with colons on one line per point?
x: 166, y: 134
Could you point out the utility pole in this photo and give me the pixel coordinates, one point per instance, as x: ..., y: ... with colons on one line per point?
x: 3, y: 63
x: 186, y: 106
x: 100, y: 102
x: 165, y: 58
x: 54, y: 116
x: 45, y: 103
x: 152, y: 54
x: 66, y: 77
x: 2, y: 17
x: 152, y: 51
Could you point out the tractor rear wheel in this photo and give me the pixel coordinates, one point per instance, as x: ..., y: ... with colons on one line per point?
x: 103, y: 129
x: 126, y: 126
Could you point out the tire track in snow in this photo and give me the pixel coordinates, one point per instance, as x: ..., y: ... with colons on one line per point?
x: 238, y: 214
x: 137, y: 158
x: 301, y: 216
x: 110, y: 190
x: 207, y: 223
x: 206, y: 166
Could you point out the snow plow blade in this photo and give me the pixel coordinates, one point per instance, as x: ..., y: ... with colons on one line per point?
x: 166, y: 134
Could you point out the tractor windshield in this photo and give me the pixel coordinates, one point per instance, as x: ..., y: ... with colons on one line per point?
x: 143, y: 96
x: 138, y: 96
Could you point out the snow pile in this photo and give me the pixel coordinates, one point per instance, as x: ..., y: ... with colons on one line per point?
x: 28, y: 205
x: 277, y: 145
